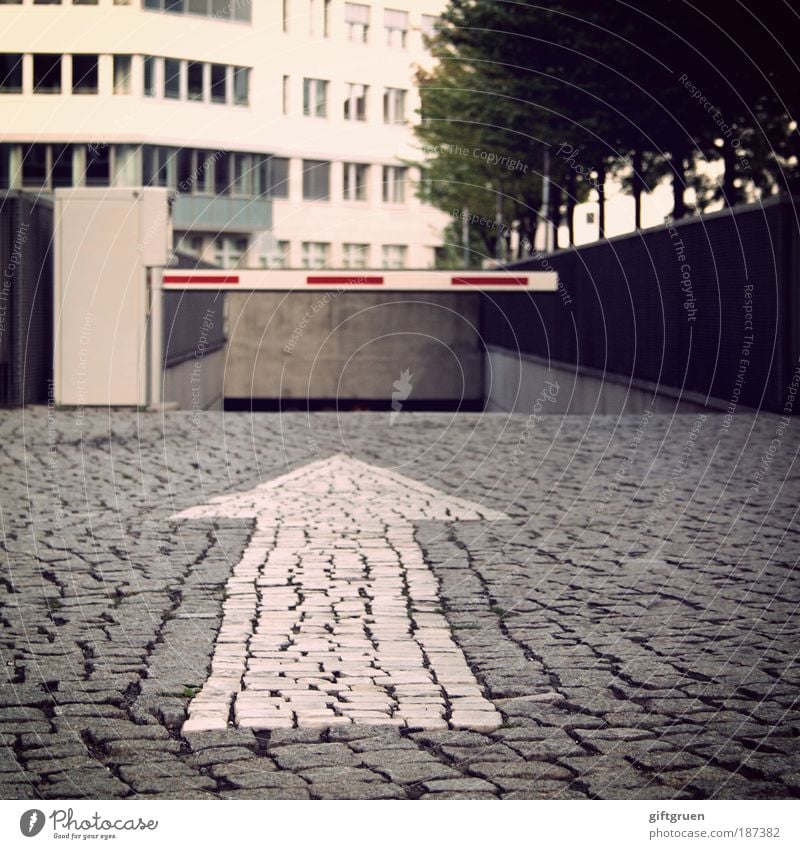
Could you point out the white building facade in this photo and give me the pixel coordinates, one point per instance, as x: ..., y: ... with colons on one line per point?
x: 282, y: 126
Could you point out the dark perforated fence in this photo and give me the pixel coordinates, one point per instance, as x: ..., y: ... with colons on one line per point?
x: 26, y: 298
x: 708, y: 305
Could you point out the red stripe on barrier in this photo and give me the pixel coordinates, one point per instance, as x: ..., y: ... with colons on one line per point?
x: 194, y: 278
x: 350, y: 280
x: 489, y: 281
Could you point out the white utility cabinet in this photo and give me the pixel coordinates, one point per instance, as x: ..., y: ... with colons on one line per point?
x: 105, y: 242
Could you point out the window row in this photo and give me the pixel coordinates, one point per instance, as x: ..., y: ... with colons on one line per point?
x: 354, y: 255
x: 174, y: 79
x: 355, y: 181
x: 224, y: 10
x: 354, y: 105
x: 66, y: 2
x: 48, y: 72
x: 209, y: 172
x: 238, y: 252
x: 50, y: 166
x: 182, y: 79
x: 357, y: 21
x: 188, y: 171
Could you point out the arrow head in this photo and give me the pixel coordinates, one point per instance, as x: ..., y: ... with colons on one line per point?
x: 334, y: 487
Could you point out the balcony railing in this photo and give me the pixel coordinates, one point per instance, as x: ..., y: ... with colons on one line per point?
x: 196, y: 212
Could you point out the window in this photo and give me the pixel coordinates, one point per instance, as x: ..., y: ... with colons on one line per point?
x: 270, y: 176
x: 194, y: 171
x: 189, y: 245
x: 98, y: 165
x: 590, y: 218
x: 396, y: 25
x: 277, y: 184
x: 10, y: 73
x: 47, y: 73
x: 315, y: 97
x: 276, y: 256
x: 35, y: 168
x: 241, y: 86
x: 222, y: 173
x: 219, y: 76
x: 203, y: 171
x: 242, y: 182
x: 326, y: 18
x: 356, y: 21
x: 194, y: 80
x: 5, y: 166
x: 84, y: 73
x: 285, y: 95
x: 229, y: 251
x: 172, y: 78
x: 184, y: 167
x: 394, y: 256
x: 61, y: 165
x: 394, y: 179
x: 394, y: 105
x: 285, y: 15
x: 355, y: 181
x: 159, y: 166
x: 314, y: 254
x: 149, y: 76
x: 430, y: 24
x: 354, y: 256
x: 355, y: 104
x: 312, y: 17
x: 122, y: 74
x: 316, y: 179
x: 46, y: 166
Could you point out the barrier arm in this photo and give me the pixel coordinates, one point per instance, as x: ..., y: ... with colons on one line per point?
x: 406, y: 280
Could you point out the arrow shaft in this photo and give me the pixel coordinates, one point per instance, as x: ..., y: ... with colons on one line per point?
x: 325, y: 625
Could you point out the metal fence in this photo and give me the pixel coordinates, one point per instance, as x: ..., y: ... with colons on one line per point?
x: 26, y: 298
x: 707, y: 305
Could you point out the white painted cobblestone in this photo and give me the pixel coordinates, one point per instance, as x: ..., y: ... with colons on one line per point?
x: 347, y: 621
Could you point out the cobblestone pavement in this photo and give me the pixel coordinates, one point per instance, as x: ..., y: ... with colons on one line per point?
x: 633, y: 619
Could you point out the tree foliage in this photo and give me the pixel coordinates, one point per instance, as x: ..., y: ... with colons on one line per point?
x: 642, y: 89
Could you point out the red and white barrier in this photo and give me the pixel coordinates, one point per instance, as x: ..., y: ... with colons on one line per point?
x: 298, y: 280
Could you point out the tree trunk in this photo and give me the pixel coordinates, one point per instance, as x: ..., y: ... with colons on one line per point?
x: 555, y: 217
x: 678, y: 186
x: 527, y: 233
x: 601, y: 199
x: 638, y: 184
x: 730, y: 195
x: 571, y: 202
x: 499, y: 248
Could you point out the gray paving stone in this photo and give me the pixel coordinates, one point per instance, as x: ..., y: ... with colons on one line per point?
x: 576, y: 616
x: 459, y: 785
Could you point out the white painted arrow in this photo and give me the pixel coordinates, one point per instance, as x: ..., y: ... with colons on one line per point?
x: 332, y: 615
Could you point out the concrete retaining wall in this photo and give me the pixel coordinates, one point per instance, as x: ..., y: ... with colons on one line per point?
x: 523, y: 383
x: 351, y: 345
